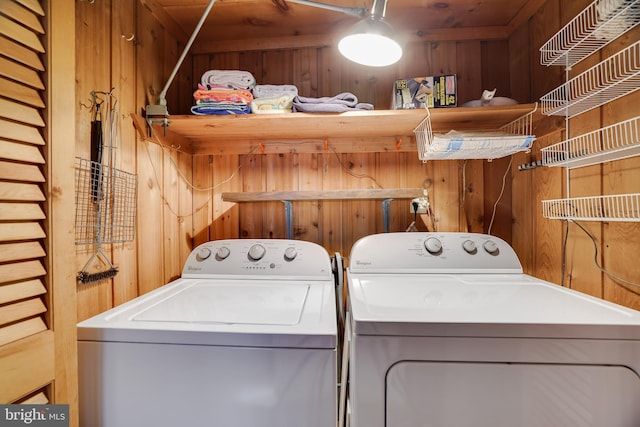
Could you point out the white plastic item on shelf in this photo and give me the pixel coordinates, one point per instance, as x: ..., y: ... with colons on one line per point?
x: 608, y: 80
x: 514, y: 137
x: 619, y: 208
x: 617, y: 141
x: 597, y: 25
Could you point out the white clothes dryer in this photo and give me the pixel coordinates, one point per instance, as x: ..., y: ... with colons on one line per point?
x: 246, y: 337
x: 448, y: 331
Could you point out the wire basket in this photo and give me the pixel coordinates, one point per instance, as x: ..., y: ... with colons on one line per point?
x: 617, y: 141
x: 597, y: 25
x: 611, y: 79
x: 511, y: 138
x: 619, y: 208
x: 106, y: 201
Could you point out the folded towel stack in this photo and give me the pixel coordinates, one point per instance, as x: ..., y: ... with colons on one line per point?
x: 224, y: 92
x: 340, y: 103
x: 233, y: 79
x: 273, y: 99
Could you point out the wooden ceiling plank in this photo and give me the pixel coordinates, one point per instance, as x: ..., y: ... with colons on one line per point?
x: 524, y: 14
x: 166, y: 21
x: 302, y: 41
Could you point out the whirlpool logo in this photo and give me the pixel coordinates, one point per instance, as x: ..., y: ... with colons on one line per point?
x: 35, y: 415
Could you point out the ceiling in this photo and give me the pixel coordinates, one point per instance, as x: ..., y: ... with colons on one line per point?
x: 255, y: 24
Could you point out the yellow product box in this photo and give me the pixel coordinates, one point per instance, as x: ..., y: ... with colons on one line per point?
x: 421, y: 92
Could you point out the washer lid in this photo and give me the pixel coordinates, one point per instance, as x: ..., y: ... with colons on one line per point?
x: 240, y: 303
x: 254, y: 313
x: 498, y: 305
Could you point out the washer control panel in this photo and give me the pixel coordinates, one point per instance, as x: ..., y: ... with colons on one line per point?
x: 446, y: 252
x: 264, y: 257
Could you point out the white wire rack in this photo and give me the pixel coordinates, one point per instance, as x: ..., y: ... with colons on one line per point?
x: 597, y: 25
x: 106, y: 200
x: 618, y: 141
x: 511, y: 138
x: 612, y: 78
x: 619, y: 208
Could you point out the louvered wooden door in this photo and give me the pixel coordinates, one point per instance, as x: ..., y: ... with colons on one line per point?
x: 37, y: 341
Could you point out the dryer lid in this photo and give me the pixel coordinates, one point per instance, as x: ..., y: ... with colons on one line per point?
x: 498, y: 305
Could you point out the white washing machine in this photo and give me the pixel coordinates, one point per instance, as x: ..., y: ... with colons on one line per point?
x: 448, y: 331
x: 246, y: 337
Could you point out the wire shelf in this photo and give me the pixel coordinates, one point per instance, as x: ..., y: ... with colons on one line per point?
x: 105, y: 204
x: 611, y: 79
x: 597, y: 25
x: 619, y: 208
x: 618, y: 141
x: 511, y: 138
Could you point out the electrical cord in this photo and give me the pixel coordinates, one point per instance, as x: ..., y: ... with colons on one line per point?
x: 595, y: 258
x: 495, y: 205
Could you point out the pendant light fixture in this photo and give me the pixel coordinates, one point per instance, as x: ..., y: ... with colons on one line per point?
x: 370, y: 42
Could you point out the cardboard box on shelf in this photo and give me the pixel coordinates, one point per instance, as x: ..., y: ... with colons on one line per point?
x: 421, y: 92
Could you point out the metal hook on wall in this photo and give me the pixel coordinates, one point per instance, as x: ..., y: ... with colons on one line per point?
x: 131, y: 38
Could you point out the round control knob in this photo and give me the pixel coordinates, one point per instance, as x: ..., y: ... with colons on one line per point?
x: 256, y: 252
x: 469, y: 246
x: 290, y: 254
x: 491, y: 247
x: 223, y: 253
x: 433, y: 245
x: 203, y: 253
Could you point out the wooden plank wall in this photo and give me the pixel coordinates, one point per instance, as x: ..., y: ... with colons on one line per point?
x: 179, y: 197
x: 337, y: 225
x: 126, y: 51
x: 540, y: 242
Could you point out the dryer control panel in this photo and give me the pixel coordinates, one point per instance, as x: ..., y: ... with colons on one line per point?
x: 294, y: 259
x: 445, y: 252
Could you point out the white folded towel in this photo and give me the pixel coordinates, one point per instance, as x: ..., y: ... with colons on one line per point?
x: 234, y: 79
x: 274, y: 91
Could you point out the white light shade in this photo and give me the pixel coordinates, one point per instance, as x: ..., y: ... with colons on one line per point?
x: 370, y: 43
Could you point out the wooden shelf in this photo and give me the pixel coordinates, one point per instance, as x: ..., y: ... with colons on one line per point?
x: 365, y: 194
x: 356, y: 131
